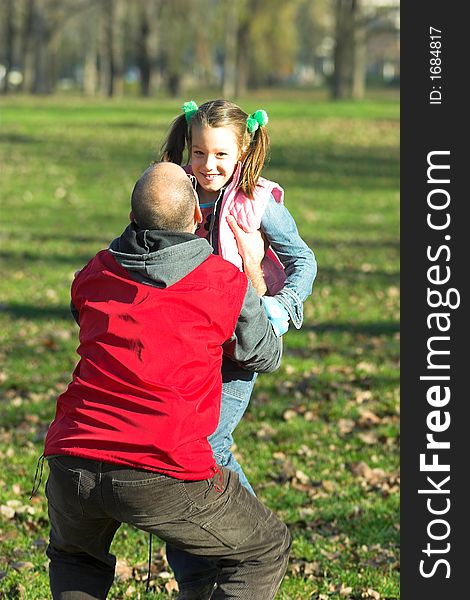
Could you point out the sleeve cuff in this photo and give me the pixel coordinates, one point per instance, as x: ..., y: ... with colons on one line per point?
x: 293, y: 304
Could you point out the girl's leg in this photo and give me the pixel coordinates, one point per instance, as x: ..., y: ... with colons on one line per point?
x: 236, y: 394
x: 194, y: 574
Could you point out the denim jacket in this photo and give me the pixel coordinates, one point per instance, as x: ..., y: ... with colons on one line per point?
x: 298, y: 259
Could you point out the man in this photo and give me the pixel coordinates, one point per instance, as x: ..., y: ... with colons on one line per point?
x: 157, y: 312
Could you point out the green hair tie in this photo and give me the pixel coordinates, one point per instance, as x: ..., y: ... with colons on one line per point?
x: 258, y: 119
x: 190, y: 109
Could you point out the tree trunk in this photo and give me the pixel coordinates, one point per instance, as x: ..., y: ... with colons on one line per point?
x: 359, y: 56
x: 106, y: 49
x: 143, y: 57
x: 52, y: 63
x: 342, y: 76
x: 9, y: 36
x: 242, y: 61
x: 90, y: 67
x: 41, y: 36
x: 27, y: 47
x: 118, y: 25
x: 174, y: 84
x: 229, y: 86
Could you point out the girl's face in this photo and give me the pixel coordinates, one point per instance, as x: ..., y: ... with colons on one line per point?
x: 214, y: 156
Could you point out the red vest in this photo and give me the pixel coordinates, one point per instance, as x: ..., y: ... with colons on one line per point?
x: 146, y: 392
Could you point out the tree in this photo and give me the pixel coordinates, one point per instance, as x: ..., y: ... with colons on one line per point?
x: 42, y: 22
x: 313, y: 29
x: 8, y: 41
x: 353, y: 21
x: 142, y: 39
x: 342, y: 76
x: 229, y: 81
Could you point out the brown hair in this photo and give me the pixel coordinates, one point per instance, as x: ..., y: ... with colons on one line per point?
x: 254, y: 147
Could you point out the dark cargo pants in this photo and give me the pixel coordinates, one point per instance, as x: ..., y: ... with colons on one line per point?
x: 215, y: 518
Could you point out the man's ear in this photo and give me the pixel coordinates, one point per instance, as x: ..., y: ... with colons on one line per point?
x: 197, y: 213
x: 131, y: 217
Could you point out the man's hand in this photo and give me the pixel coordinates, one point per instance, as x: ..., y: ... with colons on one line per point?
x: 251, y: 248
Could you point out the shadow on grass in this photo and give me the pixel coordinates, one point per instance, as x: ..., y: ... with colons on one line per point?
x: 366, y: 328
x: 18, y: 138
x: 331, y: 275
x: 30, y: 311
x: 365, y: 527
x: 358, y: 243
x: 68, y: 237
x: 326, y: 167
x: 22, y: 260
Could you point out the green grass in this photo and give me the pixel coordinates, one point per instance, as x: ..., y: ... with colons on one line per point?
x: 329, y: 466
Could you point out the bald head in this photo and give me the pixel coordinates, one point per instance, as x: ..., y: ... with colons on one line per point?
x: 163, y: 198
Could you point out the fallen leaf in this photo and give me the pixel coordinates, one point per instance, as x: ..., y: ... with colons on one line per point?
x: 265, y: 432
x: 7, y: 512
x: 368, y: 437
x: 131, y: 592
x: 366, y: 367
x: 368, y: 418
x: 329, y: 486
x: 302, y: 477
x: 371, y: 594
x: 21, y: 565
x: 362, y: 396
x: 171, y: 586
x: 345, y: 426
x: 372, y: 476
x: 289, y: 414
x: 123, y: 570
x: 344, y: 591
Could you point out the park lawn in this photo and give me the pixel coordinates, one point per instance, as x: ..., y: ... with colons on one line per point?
x: 320, y: 442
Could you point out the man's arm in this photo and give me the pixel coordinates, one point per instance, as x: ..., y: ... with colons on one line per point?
x: 252, y: 248
x: 254, y: 345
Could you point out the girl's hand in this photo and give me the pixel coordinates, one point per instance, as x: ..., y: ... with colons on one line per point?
x: 251, y: 248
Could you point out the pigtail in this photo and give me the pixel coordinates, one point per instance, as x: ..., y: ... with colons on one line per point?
x: 177, y: 140
x: 254, y: 160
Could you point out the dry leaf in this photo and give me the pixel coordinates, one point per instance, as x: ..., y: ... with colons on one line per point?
x: 371, y: 594
x: 7, y: 512
x: 368, y: 437
x: 289, y: 414
x: 123, y: 570
x: 171, y: 586
x: 362, y: 396
x: 366, y: 367
x: 372, y: 476
x: 309, y: 415
x: 302, y: 477
x: 131, y: 592
x: 265, y: 432
x: 345, y: 426
x: 21, y: 565
x: 329, y: 486
x: 368, y: 418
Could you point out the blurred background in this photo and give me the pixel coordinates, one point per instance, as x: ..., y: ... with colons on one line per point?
x: 146, y: 47
x: 88, y: 89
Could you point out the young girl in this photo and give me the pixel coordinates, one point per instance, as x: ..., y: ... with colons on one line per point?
x: 227, y: 150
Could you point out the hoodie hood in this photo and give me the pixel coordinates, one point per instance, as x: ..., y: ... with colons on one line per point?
x: 156, y: 257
